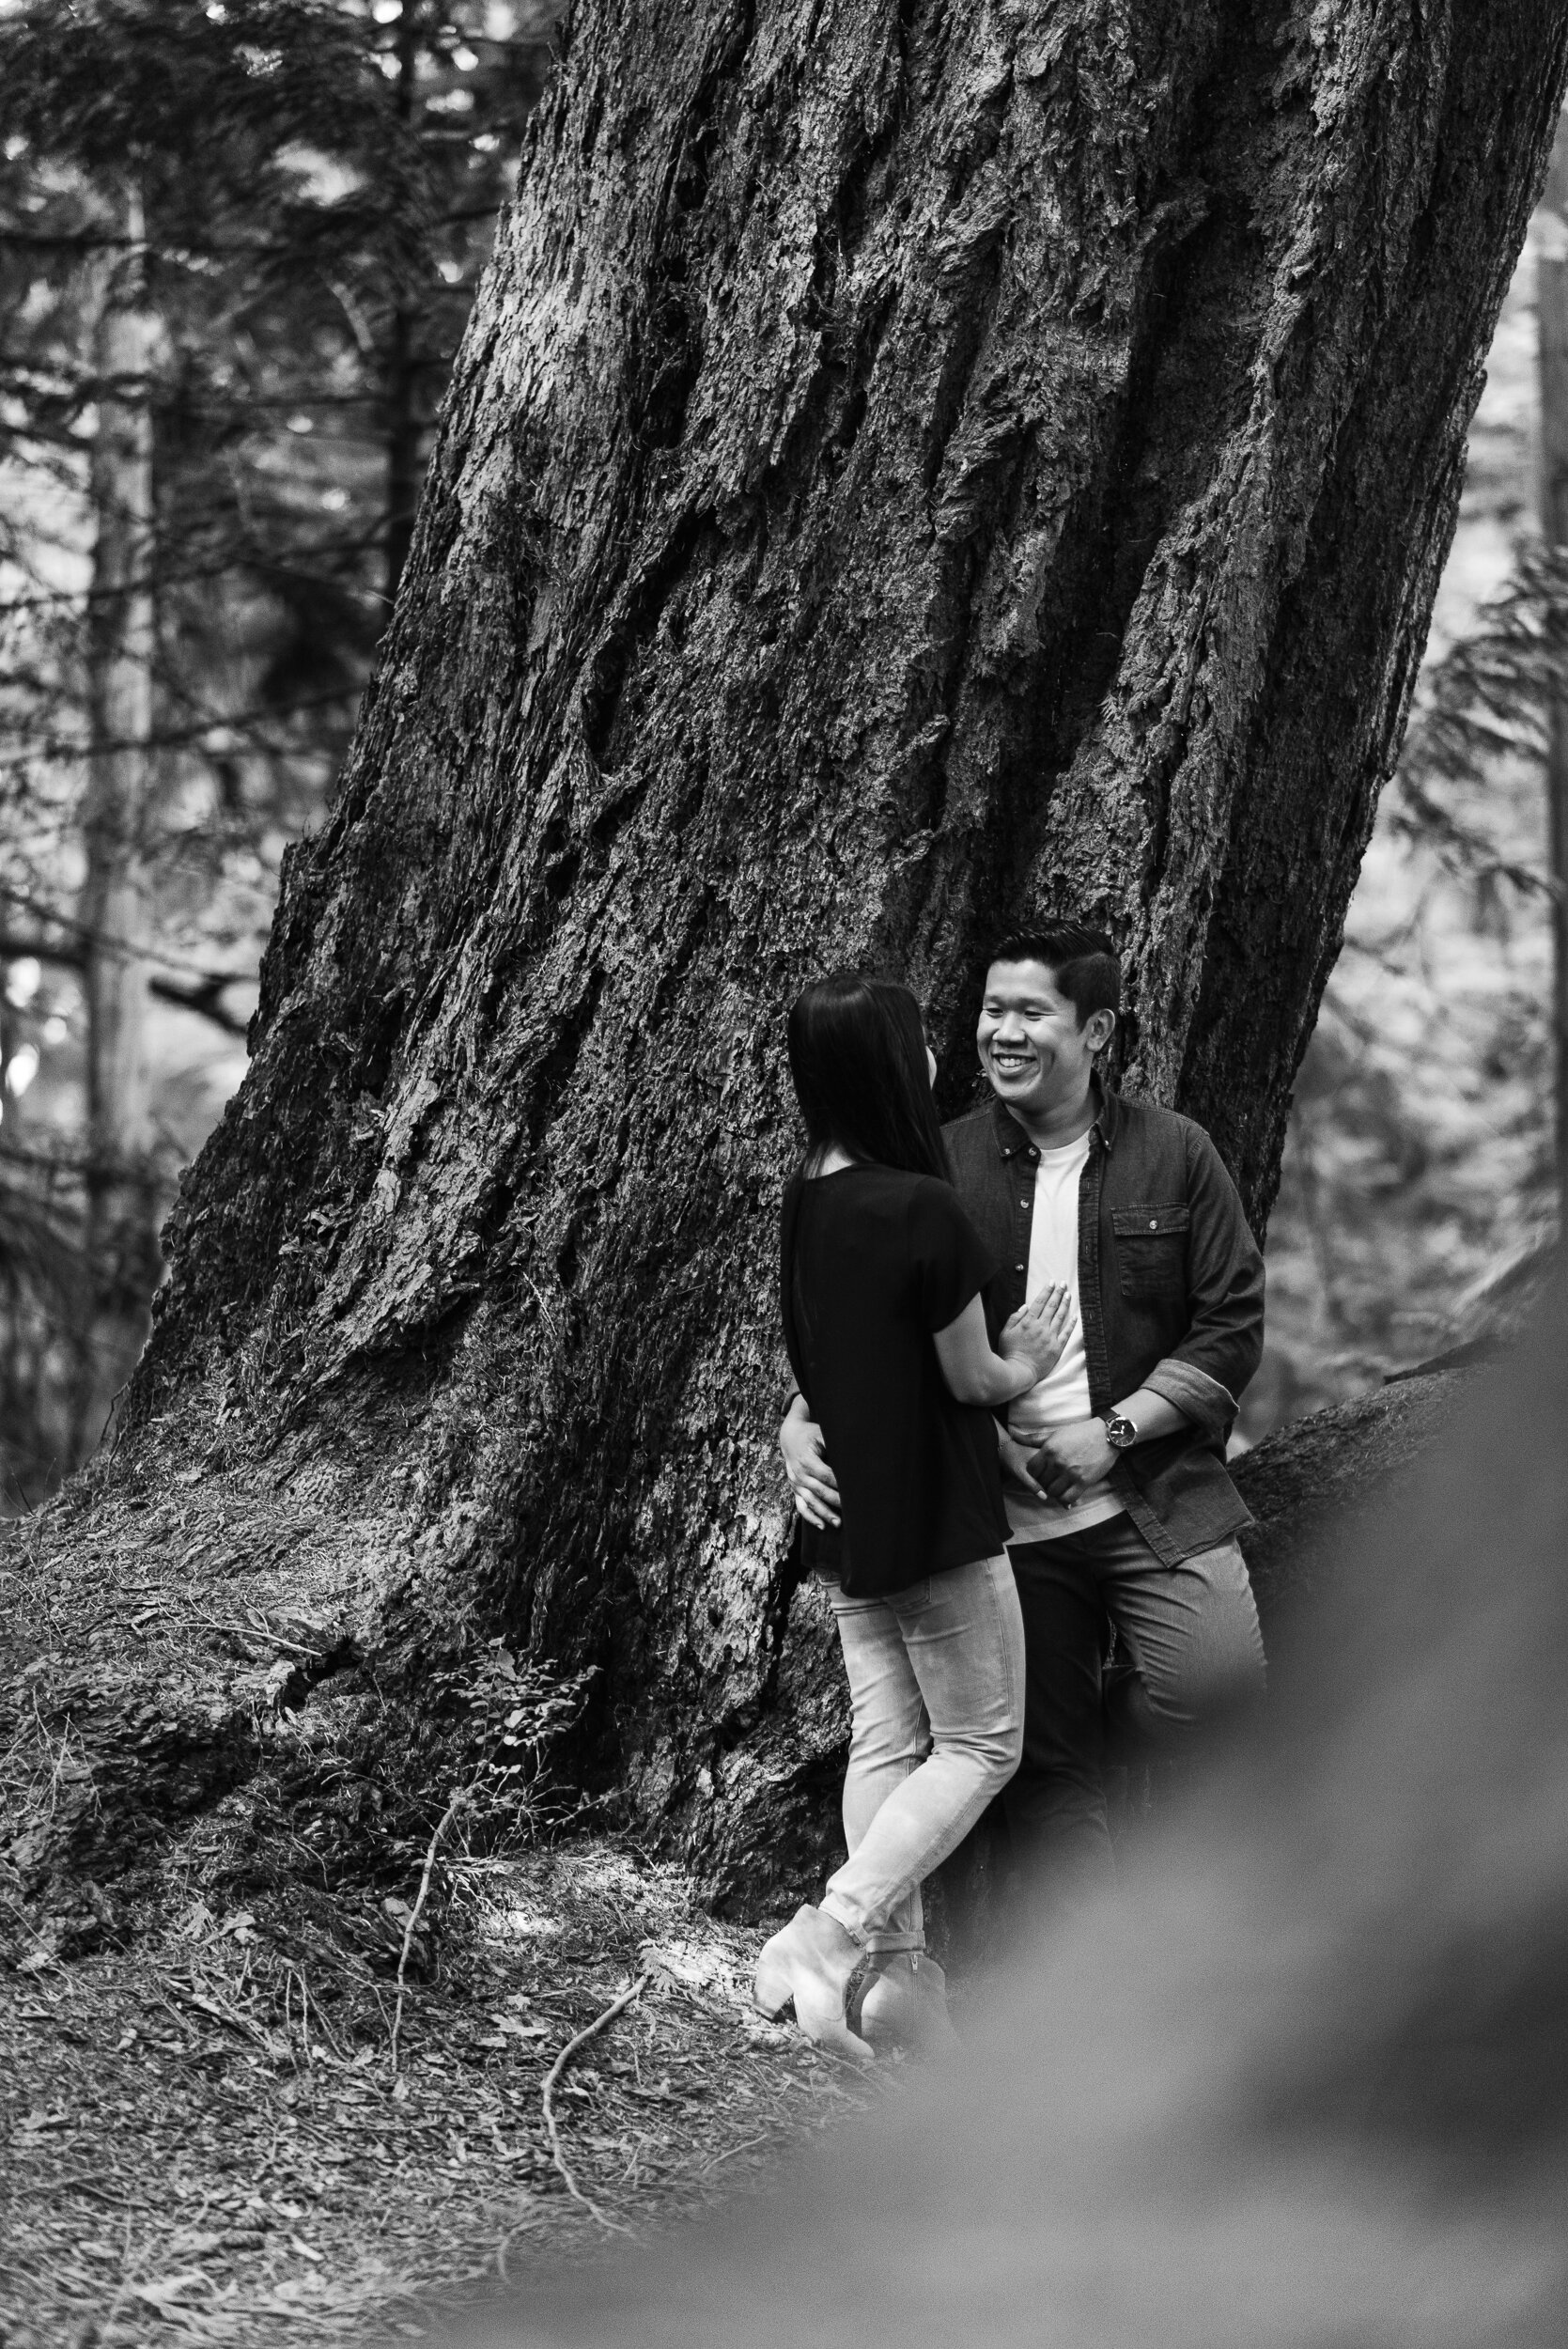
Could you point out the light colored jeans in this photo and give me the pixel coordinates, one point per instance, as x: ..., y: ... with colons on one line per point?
x: 937, y: 1692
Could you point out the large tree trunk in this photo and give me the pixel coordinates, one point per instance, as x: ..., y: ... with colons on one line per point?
x: 908, y: 465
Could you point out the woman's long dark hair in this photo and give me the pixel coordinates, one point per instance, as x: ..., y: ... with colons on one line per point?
x: 857, y: 1053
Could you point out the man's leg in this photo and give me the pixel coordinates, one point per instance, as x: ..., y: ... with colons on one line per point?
x: 1192, y: 1631
x: 1055, y: 1806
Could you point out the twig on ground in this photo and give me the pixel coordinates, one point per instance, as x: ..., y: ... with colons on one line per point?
x: 506, y: 2242
x: 85, y: 2180
x: 223, y: 2013
x: 252, y: 1632
x: 589, y: 2031
x: 413, y: 1926
x: 288, y: 2021
x: 745, y: 2146
x: 304, y: 2018
x: 122, y: 2287
x: 322, y: 2023
x: 186, y: 2042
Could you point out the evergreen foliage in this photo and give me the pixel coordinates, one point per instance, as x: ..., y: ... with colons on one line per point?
x: 301, y: 195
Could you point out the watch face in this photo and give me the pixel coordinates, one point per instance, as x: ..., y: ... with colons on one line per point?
x: 1120, y: 1433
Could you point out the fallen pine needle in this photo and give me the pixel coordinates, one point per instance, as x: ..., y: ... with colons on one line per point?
x: 590, y: 2030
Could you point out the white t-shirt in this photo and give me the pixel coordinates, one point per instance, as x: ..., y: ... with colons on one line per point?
x: 1063, y: 1395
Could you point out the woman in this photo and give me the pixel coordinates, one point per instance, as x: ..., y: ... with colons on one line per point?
x: 881, y: 1280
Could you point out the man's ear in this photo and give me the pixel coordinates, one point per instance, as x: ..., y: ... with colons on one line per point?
x: 1100, y: 1027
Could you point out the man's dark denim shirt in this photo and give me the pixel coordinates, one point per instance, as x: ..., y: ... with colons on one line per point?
x: 1170, y: 1286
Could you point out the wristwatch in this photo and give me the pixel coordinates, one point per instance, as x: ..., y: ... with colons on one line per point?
x: 1120, y: 1433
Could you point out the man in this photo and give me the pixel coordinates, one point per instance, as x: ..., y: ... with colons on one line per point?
x: 1114, y: 1465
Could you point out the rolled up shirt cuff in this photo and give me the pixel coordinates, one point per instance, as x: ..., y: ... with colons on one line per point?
x: 1207, y: 1403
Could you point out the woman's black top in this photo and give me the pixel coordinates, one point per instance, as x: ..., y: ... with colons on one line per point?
x: 874, y: 1260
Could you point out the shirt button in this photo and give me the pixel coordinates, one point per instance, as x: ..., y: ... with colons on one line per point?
x: 1154, y: 1223
x: 1019, y: 1268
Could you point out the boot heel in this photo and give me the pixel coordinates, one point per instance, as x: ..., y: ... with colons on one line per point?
x: 812, y: 1961
x: 820, y: 2014
x: 904, y: 2006
x: 773, y: 1986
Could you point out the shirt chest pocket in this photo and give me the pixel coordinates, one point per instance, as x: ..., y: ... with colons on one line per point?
x: 1150, y: 1249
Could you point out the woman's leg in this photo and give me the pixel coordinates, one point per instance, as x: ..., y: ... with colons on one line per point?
x: 812, y: 1959
x: 890, y: 1739
x: 962, y: 1633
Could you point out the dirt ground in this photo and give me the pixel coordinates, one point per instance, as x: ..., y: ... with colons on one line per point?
x: 216, y: 1804
x: 205, y: 2140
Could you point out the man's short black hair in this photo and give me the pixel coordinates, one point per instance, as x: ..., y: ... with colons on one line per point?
x: 1081, y: 961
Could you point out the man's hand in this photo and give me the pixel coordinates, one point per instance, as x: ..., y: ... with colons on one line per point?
x: 811, y: 1480
x: 1015, y: 1459
x: 1071, y: 1461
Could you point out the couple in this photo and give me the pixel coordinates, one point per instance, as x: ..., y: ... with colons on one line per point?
x: 1079, y: 1267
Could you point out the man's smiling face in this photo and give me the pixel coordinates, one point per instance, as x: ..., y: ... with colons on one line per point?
x: 1032, y: 1048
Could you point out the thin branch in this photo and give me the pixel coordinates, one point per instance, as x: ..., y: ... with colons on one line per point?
x: 248, y: 557
x: 459, y: 1799
x: 547, y: 2094
x: 71, y: 954
x: 303, y: 249
x: 205, y: 1000
x: 56, y: 747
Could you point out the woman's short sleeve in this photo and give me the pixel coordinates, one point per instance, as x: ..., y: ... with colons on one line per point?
x: 948, y: 1258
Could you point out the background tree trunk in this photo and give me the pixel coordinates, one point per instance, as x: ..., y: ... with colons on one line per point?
x: 119, y: 1249
x: 400, y: 367
x: 908, y: 466
x: 1551, y: 314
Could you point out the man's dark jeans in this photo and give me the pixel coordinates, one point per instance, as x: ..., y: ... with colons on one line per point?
x: 1191, y: 1631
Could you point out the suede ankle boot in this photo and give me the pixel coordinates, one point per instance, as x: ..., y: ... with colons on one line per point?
x: 904, y: 2006
x: 812, y: 1961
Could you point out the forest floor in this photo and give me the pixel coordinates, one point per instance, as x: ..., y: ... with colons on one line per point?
x: 215, y: 1807
x: 221, y: 1783
x: 206, y: 2140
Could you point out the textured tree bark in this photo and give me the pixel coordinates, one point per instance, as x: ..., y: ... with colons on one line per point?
x: 908, y: 465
